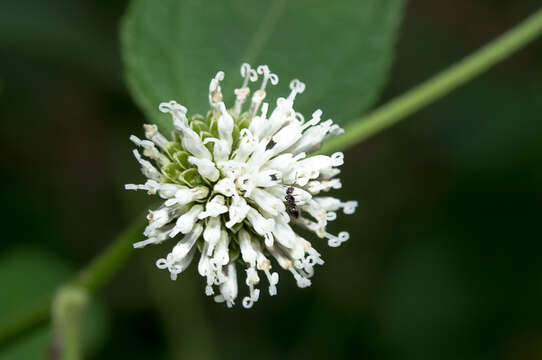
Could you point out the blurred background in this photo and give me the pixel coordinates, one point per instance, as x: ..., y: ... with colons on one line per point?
x: 444, y: 259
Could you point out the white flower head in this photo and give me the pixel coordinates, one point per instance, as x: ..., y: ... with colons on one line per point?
x: 235, y: 186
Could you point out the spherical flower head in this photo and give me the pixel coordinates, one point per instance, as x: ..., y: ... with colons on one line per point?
x: 236, y: 184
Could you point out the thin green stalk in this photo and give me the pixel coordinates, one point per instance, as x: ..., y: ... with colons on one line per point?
x: 101, y: 270
x: 438, y: 86
x: 106, y: 265
x: 90, y: 279
x: 68, y: 310
x: 26, y: 323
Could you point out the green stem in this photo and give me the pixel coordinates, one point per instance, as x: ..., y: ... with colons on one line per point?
x: 106, y: 265
x: 90, y: 279
x: 29, y: 321
x: 68, y: 308
x: 439, y: 85
x: 101, y: 270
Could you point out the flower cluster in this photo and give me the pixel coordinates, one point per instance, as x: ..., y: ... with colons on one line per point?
x: 236, y: 182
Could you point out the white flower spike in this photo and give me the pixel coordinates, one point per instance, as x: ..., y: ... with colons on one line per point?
x: 235, y: 183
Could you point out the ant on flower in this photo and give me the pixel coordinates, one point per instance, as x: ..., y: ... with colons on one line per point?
x: 290, y: 203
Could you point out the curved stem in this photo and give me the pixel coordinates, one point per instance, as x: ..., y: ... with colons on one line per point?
x: 101, y: 270
x: 69, y: 306
x: 439, y: 85
x: 90, y: 279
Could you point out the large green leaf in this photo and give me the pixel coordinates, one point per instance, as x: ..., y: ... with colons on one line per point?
x: 342, y: 50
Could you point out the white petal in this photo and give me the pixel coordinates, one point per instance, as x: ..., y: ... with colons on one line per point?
x: 206, y: 168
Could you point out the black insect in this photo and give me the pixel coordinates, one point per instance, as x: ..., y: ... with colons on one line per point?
x: 270, y: 144
x: 290, y: 203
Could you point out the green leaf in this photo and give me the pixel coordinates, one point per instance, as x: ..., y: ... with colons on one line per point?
x: 342, y: 50
x: 28, y: 275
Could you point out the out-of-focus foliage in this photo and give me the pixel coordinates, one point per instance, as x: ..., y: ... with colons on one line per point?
x: 342, y: 50
x: 59, y: 31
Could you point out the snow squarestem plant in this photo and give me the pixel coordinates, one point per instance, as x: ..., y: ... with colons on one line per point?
x: 92, y: 278
x: 236, y: 184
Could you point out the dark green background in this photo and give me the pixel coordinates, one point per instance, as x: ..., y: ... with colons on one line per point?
x: 444, y: 260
